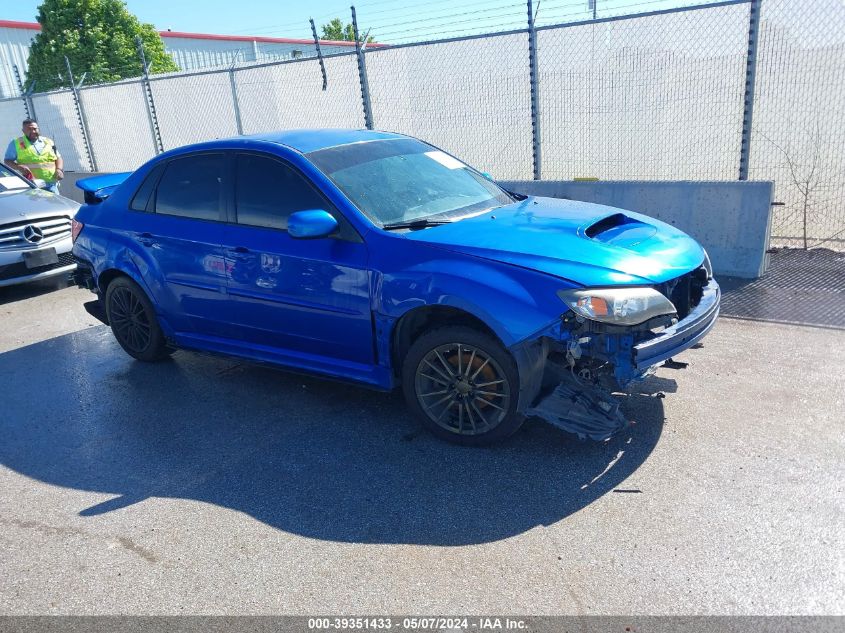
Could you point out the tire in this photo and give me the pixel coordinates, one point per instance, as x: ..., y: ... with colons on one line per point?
x: 478, y: 408
x: 133, y: 321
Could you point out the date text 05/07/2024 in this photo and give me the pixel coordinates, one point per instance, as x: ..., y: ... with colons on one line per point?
x: 416, y: 623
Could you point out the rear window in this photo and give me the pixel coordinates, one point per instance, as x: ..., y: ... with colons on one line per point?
x: 141, y: 201
x: 192, y: 187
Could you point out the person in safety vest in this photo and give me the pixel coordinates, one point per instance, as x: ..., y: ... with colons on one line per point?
x: 35, y: 156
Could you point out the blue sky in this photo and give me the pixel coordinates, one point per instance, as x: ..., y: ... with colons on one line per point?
x: 390, y: 20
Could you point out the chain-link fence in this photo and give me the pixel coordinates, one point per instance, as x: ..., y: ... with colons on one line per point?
x: 57, y: 113
x: 194, y: 108
x: 12, y: 112
x: 291, y: 95
x: 119, y: 125
x: 678, y: 93
x: 655, y: 98
x: 798, y: 139
x: 470, y: 97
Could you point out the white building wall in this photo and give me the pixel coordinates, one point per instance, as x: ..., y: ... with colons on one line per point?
x: 190, y: 53
x: 14, y: 51
x: 194, y: 54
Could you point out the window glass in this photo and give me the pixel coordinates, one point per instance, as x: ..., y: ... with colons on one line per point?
x: 192, y: 187
x: 267, y: 191
x: 11, y: 181
x: 142, y: 197
x: 402, y: 180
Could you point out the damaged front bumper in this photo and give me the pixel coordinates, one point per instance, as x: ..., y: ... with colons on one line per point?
x: 683, y: 334
x: 572, y: 368
x: 581, y: 408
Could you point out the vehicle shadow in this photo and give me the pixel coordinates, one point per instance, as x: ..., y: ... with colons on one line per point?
x: 312, y: 457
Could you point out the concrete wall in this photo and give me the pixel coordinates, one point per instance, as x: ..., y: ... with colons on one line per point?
x: 732, y: 220
x: 68, y: 187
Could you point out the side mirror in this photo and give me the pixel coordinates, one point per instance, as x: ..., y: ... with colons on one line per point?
x: 38, y: 182
x: 311, y: 224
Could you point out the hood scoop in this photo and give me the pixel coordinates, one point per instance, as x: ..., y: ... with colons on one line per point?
x: 620, y: 230
x: 588, y: 244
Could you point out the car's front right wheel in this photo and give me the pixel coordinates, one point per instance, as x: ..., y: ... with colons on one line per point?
x: 463, y: 385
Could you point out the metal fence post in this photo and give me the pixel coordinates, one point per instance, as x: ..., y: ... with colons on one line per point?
x: 750, y: 81
x: 535, y: 94
x: 80, y: 117
x: 148, y: 91
x: 27, y: 100
x: 362, y: 75
x: 235, y: 103
x: 319, y: 53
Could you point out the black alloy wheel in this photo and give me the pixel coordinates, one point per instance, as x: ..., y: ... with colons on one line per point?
x: 133, y: 321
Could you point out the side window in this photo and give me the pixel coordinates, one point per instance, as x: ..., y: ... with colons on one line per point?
x: 192, y: 187
x: 268, y: 191
x: 142, y: 197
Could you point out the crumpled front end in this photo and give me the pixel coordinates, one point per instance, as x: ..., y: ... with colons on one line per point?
x: 577, y: 363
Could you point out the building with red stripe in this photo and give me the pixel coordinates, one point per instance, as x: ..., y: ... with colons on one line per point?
x: 191, y: 51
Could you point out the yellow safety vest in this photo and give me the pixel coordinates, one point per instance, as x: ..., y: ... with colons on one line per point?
x: 41, y: 165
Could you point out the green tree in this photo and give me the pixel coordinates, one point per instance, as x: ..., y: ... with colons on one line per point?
x: 335, y: 30
x: 98, y: 37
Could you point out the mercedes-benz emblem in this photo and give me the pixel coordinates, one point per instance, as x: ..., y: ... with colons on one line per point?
x: 32, y: 233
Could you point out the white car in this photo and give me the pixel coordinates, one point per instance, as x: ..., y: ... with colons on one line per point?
x: 35, y: 231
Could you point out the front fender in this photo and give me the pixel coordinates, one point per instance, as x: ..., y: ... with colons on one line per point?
x: 520, y: 306
x: 513, y: 304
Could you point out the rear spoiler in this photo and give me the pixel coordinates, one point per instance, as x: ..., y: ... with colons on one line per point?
x: 98, y: 188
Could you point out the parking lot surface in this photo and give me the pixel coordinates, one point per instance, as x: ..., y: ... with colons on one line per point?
x: 207, y: 485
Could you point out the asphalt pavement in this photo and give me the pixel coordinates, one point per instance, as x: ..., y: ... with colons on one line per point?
x: 204, y: 485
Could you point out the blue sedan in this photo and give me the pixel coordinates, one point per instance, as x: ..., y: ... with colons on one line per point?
x: 377, y: 258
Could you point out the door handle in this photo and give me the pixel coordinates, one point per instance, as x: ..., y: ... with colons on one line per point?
x: 240, y: 253
x: 145, y: 238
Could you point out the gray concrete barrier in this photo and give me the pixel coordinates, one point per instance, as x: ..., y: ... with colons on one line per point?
x: 732, y: 220
x: 68, y: 187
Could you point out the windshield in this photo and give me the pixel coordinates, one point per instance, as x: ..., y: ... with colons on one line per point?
x: 10, y: 181
x: 402, y: 180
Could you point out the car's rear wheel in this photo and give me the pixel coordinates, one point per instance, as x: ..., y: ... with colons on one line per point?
x: 462, y: 385
x: 133, y: 321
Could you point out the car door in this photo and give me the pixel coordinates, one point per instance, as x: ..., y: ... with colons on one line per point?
x: 178, y: 226
x: 308, y: 297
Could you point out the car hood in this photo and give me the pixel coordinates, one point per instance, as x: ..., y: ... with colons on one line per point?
x: 588, y: 244
x: 33, y: 204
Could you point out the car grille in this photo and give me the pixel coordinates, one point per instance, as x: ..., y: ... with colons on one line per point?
x: 20, y: 270
x: 685, y: 292
x: 52, y: 229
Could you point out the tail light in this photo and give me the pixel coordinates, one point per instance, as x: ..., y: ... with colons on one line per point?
x: 75, y: 229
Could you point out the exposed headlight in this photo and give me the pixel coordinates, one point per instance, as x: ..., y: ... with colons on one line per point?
x: 707, y: 265
x: 619, y: 306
